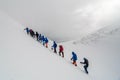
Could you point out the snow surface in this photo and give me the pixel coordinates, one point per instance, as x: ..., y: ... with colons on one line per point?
x: 23, y: 58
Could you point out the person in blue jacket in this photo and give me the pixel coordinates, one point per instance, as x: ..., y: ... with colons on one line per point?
x: 54, y: 46
x: 46, y: 42
x: 27, y: 30
x: 43, y: 39
x: 74, y: 58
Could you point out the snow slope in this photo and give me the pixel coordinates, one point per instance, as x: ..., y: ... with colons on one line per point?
x: 23, y: 58
x: 102, y: 48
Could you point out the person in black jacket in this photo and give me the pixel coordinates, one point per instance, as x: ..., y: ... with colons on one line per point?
x: 32, y: 33
x: 86, y: 64
x: 37, y: 34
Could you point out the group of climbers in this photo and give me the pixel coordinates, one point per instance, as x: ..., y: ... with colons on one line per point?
x: 44, y: 40
x: 41, y: 38
x: 30, y: 31
x: 86, y: 63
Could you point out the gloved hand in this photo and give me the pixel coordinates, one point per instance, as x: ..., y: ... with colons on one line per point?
x: 81, y: 62
x: 51, y: 48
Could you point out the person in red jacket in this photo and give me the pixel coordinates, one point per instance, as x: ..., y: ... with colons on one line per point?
x: 61, y: 50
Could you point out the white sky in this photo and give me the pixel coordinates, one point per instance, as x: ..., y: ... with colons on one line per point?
x: 83, y: 16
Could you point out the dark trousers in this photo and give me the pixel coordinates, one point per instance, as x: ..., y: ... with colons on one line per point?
x: 62, y: 54
x: 85, y: 67
x: 55, y: 50
x: 74, y: 62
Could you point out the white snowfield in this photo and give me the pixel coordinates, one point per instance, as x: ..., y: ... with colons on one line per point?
x: 23, y: 58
